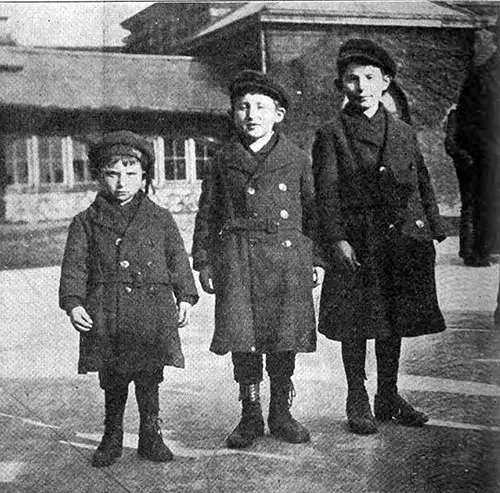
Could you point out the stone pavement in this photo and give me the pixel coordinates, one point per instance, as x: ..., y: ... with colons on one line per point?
x: 51, y: 418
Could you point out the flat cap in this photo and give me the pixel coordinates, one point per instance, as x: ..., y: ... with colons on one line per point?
x: 123, y: 142
x: 252, y: 81
x: 365, y: 50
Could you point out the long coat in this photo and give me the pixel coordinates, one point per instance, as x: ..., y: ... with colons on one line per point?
x: 394, y: 289
x: 249, y: 228
x: 478, y: 118
x: 128, y: 276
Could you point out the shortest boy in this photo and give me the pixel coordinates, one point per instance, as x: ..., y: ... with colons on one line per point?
x: 123, y: 265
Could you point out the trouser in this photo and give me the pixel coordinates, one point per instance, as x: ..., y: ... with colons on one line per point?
x: 387, y: 352
x: 248, y: 366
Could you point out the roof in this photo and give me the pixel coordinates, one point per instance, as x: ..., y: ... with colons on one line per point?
x: 411, y: 13
x: 72, y: 80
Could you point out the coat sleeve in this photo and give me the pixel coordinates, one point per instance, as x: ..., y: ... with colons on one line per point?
x: 178, y: 264
x: 330, y: 221
x: 428, y: 197
x: 75, y: 266
x: 208, y: 218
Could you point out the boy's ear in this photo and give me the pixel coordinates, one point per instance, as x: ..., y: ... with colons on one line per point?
x: 280, y: 114
x: 387, y: 81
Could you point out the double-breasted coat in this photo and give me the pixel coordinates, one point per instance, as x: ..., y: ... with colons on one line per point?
x: 129, y: 276
x: 251, y: 228
x: 389, y: 216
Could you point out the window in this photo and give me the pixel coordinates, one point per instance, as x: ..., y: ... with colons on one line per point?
x: 16, y: 160
x: 175, y: 159
x: 50, y: 160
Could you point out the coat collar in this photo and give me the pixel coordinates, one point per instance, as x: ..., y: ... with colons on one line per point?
x: 106, y: 214
x: 238, y: 157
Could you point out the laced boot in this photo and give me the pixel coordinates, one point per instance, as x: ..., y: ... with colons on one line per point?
x: 393, y: 407
x: 281, y: 423
x: 151, y: 445
x: 251, y: 425
x: 360, y: 419
x: 111, y: 446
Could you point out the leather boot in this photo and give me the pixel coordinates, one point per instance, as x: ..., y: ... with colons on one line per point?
x: 281, y: 423
x: 360, y: 419
x: 111, y: 446
x: 251, y: 425
x: 395, y: 408
x: 151, y: 445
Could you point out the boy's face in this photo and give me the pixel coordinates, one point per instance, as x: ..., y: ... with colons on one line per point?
x: 255, y: 115
x: 364, y: 85
x: 122, y: 177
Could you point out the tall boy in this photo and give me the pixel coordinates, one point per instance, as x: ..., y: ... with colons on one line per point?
x: 251, y: 251
x: 377, y: 220
x: 123, y: 266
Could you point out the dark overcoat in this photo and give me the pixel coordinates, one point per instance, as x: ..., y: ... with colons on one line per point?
x: 129, y: 276
x: 249, y: 228
x: 389, y: 216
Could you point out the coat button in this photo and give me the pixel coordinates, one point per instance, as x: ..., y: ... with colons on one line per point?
x: 284, y: 214
x: 391, y: 226
x: 283, y: 187
x: 419, y: 223
x: 255, y: 214
x: 287, y: 243
x: 124, y: 264
x: 118, y: 241
x: 251, y: 191
x: 382, y: 169
x: 252, y: 349
x: 128, y: 289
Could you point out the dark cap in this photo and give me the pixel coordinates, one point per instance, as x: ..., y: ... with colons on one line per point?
x: 252, y: 81
x: 123, y: 142
x: 359, y: 49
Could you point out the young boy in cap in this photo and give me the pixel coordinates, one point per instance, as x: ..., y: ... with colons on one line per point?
x: 377, y: 221
x: 251, y: 249
x: 123, y: 265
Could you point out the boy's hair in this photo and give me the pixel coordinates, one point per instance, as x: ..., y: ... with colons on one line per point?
x: 365, y: 51
x: 254, y: 82
x: 123, y: 143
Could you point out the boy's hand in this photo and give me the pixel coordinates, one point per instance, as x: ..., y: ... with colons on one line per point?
x: 206, y: 279
x: 347, y: 255
x: 318, y: 275
x: 80, y: 319
x: 184, y: 313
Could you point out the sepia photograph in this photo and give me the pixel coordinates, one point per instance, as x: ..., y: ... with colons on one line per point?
x: 250, y: 247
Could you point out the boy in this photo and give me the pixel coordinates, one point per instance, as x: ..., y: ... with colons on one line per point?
x: 377, y: 219
x: 123, y: 264
x: 250, y: 250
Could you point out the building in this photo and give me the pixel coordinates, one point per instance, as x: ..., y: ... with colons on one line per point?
x: 54, y: 103
x: 170, y: 82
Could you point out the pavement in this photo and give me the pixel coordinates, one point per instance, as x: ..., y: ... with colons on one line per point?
x: 51, y: 419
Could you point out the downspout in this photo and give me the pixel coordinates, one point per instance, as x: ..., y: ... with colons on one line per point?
x: 263, y: 55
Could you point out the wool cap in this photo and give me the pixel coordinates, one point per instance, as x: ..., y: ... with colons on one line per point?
x: 366, y: 50
x: 125, y: 143
x: 251, y: 81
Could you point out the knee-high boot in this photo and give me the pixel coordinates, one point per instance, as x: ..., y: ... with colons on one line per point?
x: 389, y: 405
x: 360, y: 419
x: 281, y: 423
x: 151, y: 445
x: 111, y: 446
x: 251, y: 425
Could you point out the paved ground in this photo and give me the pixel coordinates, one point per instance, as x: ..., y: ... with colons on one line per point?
x: 51, y: 418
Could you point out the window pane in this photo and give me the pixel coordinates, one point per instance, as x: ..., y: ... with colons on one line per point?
x: 205, y: 149
x: 50, y: 159
x: 16, y: 160
x: 175, y: 159
x: 81, y: 161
